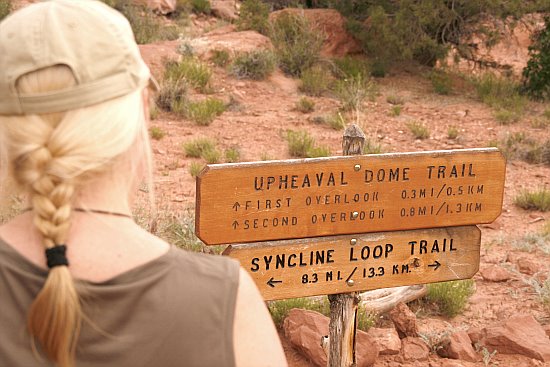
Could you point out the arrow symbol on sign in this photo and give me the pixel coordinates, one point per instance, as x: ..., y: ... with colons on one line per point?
x: 435, y: 265
x: 271, y: 282
x: 236, y: 206
x: 235, y: 224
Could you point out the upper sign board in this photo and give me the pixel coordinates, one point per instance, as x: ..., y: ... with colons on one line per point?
x: 339, y: 264
x: 259, y: 201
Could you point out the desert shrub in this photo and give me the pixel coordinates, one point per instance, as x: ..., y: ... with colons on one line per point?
x: 212, y: 156
x: 297, y: 44
x: 335, y: 121
x: 197, y: 147
x: 280, y: 309
x: 233, y: 154
x: 450, y: 297
x: 201, y: 6
x: 419, y: 130
x: 352, y: 92
x: 254, y: 16
x: 5, y: 8
x: 220, y: 57
x: 540, y: 123
x: 520, y: 146
x: 371, y: 147
x: 205, y: 111
x: 452, y: 132
x: 396, y: 110
x: 172, y: 96
x: 195, y: 168
x: 315, y: 81
x: 500, y: 93
x: 536, y: 75
x: 156, y: 133
x: 302, y: 145
x: 256, y: 65
x: 180, y: 230
x: 351, y: 67
x: 534, y: 200
x: 146, y: 25
x: 305, y: 105
x: 366, y: 318
x: 506, y: 117
x: 195, y: 73
x: 395, y: 99
x: 441, y: 82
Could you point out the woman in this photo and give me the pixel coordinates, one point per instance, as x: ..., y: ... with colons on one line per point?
x: 80, y: 282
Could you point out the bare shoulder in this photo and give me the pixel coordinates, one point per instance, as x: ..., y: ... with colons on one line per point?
x: 255, y: 339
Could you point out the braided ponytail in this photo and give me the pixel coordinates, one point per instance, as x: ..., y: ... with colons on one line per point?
x: 51, y: 156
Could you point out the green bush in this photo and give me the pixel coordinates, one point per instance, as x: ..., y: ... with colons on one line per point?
x: 195, y: 168
x: 499, y: 93
x: 233, y: 155
x: 255, y: 65
x: 172, y: 96
x: 254, y: 16
x: 197, y: 147
x: 335, y: 121
x: 156, y: 133
x: 351, y: 67
x: 5, y: 8
x: 305, y: 105
x: 212, y: 156
x: 534, y: 200
x: 297, y: 44
x: 396, y: 110
x: 450, y: 297
x: 315, y: 81
x: 201, y: 6
x: 441, y: 82
x: 220, y: 58
x: 204, y: 112
x: 353, y: 91
x: 419, y: 130
x: 302, y: 145
x: 506, y: 117
x: 452, y: 132
x: 146, y: 25
x: 196, y: 73
x: 536, y: 75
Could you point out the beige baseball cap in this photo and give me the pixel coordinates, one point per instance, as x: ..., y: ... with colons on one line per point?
x: 92, y: 39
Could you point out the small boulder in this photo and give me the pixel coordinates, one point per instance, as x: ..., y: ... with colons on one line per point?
x: 475, y: 334
x: 518, y: 335
x: 495, y: 273
x: 404, y: 320
x: 224, y: 9
x: 386, y: 339
x: 414, y: 349
x: 527, y: 266
x: 458, y: 346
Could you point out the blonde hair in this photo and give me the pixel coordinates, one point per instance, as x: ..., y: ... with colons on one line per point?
x: 50, y: 157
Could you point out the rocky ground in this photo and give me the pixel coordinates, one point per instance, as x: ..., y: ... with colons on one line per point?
x: 504, y: 314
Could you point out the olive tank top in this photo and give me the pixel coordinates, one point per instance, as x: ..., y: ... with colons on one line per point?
x: 176, y: 310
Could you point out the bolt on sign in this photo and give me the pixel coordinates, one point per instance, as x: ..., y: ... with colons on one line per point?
x: 261, y: 201
x: 339, y: 264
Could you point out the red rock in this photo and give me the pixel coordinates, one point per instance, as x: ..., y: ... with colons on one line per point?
x: 224, y: 9
x: 450, y: 363
x: 547, y: 330
x: 338, y: 42
x: 386, y: 339
x: 527, y: 266
x: 414, y: 349
x: 475, y: 334
x: 495, y: 273
x: 518, y: 335
x: 305, y: 330
x: 458, y: 346
x: 404, y: 320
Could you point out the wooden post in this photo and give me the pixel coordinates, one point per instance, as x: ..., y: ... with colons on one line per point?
x: 343, y: 307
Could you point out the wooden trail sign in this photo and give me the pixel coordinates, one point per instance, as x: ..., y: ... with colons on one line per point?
x: 329, y: 265
x: 260, y: 201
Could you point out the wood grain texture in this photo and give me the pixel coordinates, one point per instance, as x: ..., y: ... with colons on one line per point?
x: 318, y: 266
x: 260, y: 201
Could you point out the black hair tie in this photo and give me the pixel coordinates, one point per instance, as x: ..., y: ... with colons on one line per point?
x: 55, y: 256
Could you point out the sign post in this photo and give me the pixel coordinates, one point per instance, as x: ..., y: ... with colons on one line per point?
x: 341, y: 225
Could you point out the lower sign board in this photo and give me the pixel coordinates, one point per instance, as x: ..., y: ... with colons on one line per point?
x: 340, y: 264
x: 262, y: 201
